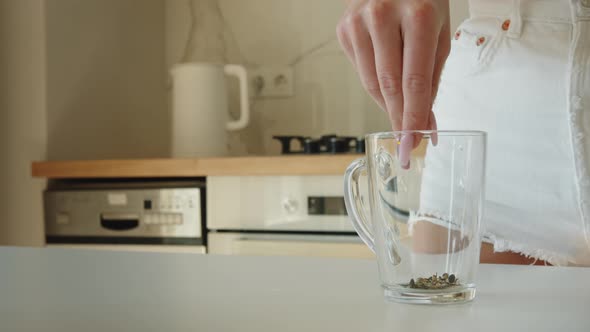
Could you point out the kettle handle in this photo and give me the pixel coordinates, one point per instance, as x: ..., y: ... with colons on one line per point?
x: 240, y: 72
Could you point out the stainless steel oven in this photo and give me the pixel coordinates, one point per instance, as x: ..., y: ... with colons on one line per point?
x: 280, y: 215
x: 153, y: 215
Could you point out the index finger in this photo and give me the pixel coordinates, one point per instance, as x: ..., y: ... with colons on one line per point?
x: 420, y: 44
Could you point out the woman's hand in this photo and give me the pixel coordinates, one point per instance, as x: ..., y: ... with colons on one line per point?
x: 398, y: 48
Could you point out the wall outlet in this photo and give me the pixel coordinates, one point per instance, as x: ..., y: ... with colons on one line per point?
x: 271, y: 81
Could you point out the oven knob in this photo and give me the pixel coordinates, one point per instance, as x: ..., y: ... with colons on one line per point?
x: 62, y: 219
x: 290, y: 205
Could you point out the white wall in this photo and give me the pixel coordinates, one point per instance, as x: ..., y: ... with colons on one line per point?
x: 23, y: 122
x: 328, y: 96
x: 459, y: 12
x: 106, y: 81
x: 78, y: 80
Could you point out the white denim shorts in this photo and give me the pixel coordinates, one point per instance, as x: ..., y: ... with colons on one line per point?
x: 520, y: 70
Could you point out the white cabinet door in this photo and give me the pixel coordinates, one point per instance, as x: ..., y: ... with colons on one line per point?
x: 287, y: 245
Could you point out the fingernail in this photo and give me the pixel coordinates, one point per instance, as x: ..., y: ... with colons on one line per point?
x: 434, y: 137
x: 407, y: 143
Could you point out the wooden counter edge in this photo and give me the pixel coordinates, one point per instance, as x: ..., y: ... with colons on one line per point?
x: 230, y: 166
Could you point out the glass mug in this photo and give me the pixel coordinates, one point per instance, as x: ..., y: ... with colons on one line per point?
x: 423, y: 218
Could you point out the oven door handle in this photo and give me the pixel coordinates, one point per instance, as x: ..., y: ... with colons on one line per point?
x: 119, y: 221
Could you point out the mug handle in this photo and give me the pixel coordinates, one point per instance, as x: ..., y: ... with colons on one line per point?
x: 354, y: 204
x: 240, y: 72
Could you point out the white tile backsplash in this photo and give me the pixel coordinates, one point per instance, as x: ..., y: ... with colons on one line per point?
x: 328, y: 97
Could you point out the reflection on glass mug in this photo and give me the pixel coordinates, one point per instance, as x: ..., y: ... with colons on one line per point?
x: 424, y: 218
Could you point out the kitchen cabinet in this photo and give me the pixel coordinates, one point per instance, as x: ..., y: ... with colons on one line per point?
x: 271, y: 194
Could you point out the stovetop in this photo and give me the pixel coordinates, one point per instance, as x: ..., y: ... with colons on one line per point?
x: 326, y: 144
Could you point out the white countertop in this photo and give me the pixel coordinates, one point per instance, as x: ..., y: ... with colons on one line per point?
x: 81, y: 290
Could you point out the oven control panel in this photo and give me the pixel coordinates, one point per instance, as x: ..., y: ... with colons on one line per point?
x: 326, y: 206
x: 162, y: 218
x: 277, y: 203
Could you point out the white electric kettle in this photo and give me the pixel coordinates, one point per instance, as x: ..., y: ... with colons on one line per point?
x: 200, y: 110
